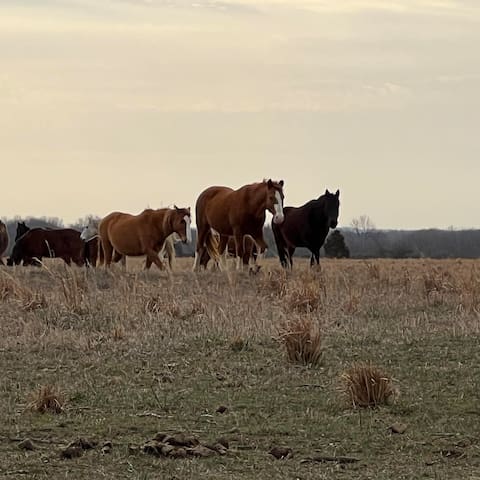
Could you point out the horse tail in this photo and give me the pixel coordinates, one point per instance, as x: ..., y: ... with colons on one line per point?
x: 212, y: 243
x: 170, y: 250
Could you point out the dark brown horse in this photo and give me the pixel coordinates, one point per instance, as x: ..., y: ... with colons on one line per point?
x: 3, y: 240
x: 123, y: 234
x: 235, y: 213
x: 306, y: 226
x: 37, y: 243
x: 90, y: 249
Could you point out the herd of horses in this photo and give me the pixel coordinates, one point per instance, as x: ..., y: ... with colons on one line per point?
x: 229, y: 222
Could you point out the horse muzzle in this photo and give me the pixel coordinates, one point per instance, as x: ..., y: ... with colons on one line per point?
x: 333, y: 224
x: 278, y: 218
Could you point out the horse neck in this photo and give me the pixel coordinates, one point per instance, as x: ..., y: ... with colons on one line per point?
x: 165, y: 220
x: 318, y: 207
x: 257, y: 199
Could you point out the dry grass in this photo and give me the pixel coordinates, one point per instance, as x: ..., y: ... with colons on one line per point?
x: 46, y: 399
x: 366, y: 385
x: 303, y: 341
x: 142, y: 352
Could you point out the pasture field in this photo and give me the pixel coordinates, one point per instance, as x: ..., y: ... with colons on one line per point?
x: 131, y: 354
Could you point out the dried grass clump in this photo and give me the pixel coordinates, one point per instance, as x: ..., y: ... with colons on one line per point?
x: 366, y: 385
x: 274, y: 284
x: 304, y: 297
x: 238, y: 343
x: 303, y: 341
x: 47, y: 398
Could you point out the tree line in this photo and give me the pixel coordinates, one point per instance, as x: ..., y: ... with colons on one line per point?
x: 360, y: 240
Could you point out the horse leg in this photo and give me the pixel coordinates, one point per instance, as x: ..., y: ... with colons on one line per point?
x: 239, y: 257
x: 107, y: 248
x: 201, y: 252
x: 152, y: 257
x: 291, y: 251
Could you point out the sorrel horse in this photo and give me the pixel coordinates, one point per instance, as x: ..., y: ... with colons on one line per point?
x: 37, y: 243
x: 89, y: 250
x: 306, y: 226
x: 3, y: 240
x: 90, y: 233
x: 143, y: 234
x: 235, y: 213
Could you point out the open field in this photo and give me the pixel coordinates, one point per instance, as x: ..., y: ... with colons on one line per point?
x: 136, y: 353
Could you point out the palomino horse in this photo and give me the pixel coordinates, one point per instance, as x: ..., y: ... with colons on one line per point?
x: 37, y: 243
x: 90, y: 232
x: 306, y: 226
x: 143, y: 234
x: 235, y: 213
x: 3, y: 240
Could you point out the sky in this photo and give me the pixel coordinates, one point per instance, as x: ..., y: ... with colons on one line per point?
x: 126, y: 104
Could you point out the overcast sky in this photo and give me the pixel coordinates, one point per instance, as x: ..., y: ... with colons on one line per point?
x: 119, y: 105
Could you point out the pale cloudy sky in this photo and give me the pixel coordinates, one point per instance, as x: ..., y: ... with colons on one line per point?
x: 119, y: 105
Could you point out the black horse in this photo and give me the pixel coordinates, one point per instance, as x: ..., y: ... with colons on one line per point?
x: 306, y: 226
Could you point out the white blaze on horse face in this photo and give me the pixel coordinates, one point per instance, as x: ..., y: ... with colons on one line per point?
x: 188, y: 228
x: 278, y: 206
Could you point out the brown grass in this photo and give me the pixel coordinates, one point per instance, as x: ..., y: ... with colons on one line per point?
x: 366, y: 385
x: 303, y: 341
x: 47, y: 398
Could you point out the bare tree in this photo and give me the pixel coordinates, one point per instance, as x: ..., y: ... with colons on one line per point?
x: 362, y: 225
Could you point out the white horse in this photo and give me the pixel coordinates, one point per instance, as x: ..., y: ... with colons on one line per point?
x: 167, y: 251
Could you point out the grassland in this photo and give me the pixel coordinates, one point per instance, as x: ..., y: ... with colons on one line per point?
x: 134, y: 353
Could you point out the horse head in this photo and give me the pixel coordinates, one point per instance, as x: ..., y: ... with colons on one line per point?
x: 21, y: 230
x: 90, y: 231
x: 181, y: 221
x: 331, y: 204
x: 275, y: 200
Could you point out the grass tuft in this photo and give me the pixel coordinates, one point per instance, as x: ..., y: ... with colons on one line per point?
x: 303, y: 341
x: 366, y: 385
x: 47, y: 398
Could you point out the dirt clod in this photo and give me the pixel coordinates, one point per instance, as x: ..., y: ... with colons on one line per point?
x: 280, y: 452
x: 398, y: 427
x: 26, y: 444
x: 221, y: 409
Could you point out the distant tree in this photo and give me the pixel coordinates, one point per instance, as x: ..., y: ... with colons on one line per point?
x: 335, y: 246
x: 362, y: 225
x: 83, y: 221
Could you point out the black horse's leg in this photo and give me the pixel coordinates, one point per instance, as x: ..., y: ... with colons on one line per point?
x: 291, y: 251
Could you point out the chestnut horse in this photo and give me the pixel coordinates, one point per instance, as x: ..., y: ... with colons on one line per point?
x: 236, y: 213
x: 142, y: 234
x: 90, y: 233
x: 306, y: 226
x: 3, y: 240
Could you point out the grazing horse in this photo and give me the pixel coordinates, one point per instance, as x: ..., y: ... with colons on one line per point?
x: 3, y: 240
x: 89, y: 250
x: 227, y: 212
x: 143, y: 234
x: 90, y: 233
x: 306, y: 226
x: 37, y: 243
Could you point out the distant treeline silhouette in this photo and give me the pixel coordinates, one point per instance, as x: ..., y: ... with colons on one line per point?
x: 428, y: 243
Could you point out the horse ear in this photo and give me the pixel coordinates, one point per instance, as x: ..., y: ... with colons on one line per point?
x: 337, y: 193
x: 175, y: 207
x: 269, y: 183
x: 327, y: 192
x: 280, y: 183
